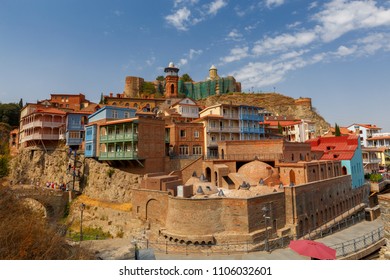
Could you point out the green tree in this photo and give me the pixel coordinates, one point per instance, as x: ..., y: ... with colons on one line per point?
x: 148, y: 87
x: 337, y: 131
x: 186, y: 78
x: 21, y: 103
x: 280, y: 128
x: 160, y: 78
x: 9, y: 114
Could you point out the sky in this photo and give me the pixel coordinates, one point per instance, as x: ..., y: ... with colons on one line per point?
x: 336, y: 52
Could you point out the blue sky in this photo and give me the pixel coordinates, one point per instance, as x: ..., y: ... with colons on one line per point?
x: 336, y: 52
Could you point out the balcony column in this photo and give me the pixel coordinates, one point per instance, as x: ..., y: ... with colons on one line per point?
x: 132, y: 140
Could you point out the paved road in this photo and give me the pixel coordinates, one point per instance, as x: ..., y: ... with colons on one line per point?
x: 347, y: 234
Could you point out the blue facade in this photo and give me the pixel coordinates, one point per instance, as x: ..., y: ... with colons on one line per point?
x: 75, y: 128
x: 355, y: 167
x: 250, y: 118
x: 90, y: 141
x: 106, y: 113
x: 112, y: 113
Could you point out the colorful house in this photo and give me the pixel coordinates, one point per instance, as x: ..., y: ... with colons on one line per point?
x: 347, y: 149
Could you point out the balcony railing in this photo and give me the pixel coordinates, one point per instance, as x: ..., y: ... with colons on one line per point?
x: 129, y: 155
x: 252, y: 130
x: 231, y: 116
x: 234, y: 129
x: 42, y: 124
x: 263, y: 157
x: 119, y: 137
x: 39, y: 136
x: 373, y: 160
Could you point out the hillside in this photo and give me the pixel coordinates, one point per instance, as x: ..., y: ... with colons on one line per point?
x: 275, y: 103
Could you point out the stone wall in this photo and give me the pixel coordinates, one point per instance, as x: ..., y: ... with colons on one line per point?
x: 384, y: 203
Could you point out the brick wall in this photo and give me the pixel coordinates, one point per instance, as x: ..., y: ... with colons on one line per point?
x: 384, y: 203
x: 311, y: 205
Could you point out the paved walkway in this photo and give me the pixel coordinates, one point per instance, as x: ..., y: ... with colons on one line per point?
x: 347, y: 234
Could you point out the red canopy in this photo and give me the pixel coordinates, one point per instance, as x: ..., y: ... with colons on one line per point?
x: 313, y: 249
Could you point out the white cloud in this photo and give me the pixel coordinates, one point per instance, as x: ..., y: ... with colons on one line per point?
x: 290, y: 51
x: 182, y: 62
x: 372, y: 43
x: 180, y: 19
x: 151, y: 61
x: 312, y: 5
x: 283, y: 42
x: 273, y: 3
x: 340, y: 17
x: 215, y: 6
x: 192, y: 54
x: 345, y: 51
x: 236, y: 54
x: 234, y: 35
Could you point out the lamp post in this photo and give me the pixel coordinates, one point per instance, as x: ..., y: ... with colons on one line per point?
x: 82, y: 207
x: 265, y: 211
x: 134, y: 242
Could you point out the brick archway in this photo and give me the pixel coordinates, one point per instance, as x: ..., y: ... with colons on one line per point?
x: 153, y: 207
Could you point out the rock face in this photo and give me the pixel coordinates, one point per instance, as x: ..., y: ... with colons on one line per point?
x: 97, y: 180
x: 106, y: 183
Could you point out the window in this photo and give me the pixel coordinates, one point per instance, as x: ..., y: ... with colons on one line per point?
x: 127, y: 115
x: 197, y: 150
x: 196, y: 134
x: 182, y: 133
x: 213, y: 138
x: 183, y: 150
x: 114, y: 114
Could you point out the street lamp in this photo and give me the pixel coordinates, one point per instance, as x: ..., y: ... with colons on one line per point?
x: 134, y: 242
x: 82, y: 207
x: 265, y: 211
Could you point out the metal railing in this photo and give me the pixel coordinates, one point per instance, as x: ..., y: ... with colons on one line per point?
x: 345, y: 223
x: 355, y: 245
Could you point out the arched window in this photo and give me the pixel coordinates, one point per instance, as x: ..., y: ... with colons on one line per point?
x: 172, y: 89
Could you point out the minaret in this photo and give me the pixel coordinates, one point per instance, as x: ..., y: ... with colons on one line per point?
x: 171, y: 81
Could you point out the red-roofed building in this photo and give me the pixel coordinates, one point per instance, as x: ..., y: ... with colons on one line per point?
x: 293, y: 130
x: 365, y: 131
x: 347, y: 149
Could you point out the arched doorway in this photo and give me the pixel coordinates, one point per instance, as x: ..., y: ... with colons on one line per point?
x: 344, y: 171
x: 208, y: 174
x: 216, y: 178
x: 292, y: 177
x: 223, y: 153
x: 153, y: 208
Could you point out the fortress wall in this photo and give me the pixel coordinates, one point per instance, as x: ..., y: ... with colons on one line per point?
x: 149, y: 204
x: 275, y: 203
x: 194, y: 216
x: 311, y: 205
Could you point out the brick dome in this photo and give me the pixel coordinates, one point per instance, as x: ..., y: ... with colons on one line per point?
x: 255, y: 170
